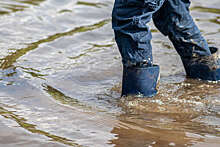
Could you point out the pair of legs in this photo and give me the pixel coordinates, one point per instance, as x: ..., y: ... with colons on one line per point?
x: 130, y: 20
x: 171, y: 17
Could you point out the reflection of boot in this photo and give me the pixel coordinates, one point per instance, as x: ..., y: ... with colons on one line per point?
x: 203, y: 67
x: 140, y: 81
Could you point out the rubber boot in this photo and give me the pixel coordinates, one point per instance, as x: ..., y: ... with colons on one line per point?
x: 203, y: 67
x: 140, y: 81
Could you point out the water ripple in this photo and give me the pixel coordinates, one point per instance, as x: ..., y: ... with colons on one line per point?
x: 12, y: 6
x: 8, y: 61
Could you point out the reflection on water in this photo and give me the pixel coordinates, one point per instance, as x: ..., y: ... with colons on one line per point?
x: 22, y: 122
x: 61, y: 98
x: 10, y: 59
x: 10, y: 6
x: 60, y: 74
x: 98, y: 5
x: 206, y: 9
x: 180, y: 115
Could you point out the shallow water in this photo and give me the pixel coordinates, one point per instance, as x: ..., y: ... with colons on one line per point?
x: 60, y: 75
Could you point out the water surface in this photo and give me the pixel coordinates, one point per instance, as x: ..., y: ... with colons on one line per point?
x: 60, y: 81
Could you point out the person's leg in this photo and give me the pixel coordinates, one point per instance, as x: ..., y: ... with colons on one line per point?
x: 132, y: 35
x: 175, y: 21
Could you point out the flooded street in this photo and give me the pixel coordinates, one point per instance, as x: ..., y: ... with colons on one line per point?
x: 60, y: 81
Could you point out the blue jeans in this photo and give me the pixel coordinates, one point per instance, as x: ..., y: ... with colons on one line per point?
x: 171, y: 17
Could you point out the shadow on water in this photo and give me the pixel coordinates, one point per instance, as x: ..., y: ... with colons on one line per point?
x: 33, y: 128
x: 9, y: 60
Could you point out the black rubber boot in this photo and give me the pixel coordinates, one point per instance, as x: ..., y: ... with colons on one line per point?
x: 140, y: 81
x: 203, y: 67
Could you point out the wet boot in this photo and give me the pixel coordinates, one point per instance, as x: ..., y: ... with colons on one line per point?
x: 203, y: 67
x: 140, y: 81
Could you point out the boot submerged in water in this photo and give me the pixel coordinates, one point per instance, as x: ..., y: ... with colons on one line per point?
x: 203, y: 67
x: 140, y: 81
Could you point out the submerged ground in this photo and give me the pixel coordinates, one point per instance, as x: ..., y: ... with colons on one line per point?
x: 60, y: 75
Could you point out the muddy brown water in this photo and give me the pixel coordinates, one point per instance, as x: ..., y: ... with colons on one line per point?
x: 60, y: 75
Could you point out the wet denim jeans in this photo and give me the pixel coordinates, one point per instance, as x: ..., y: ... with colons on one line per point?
x: 130, y: 20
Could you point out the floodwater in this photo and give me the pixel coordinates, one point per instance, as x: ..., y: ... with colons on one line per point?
x: 60, y: 75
